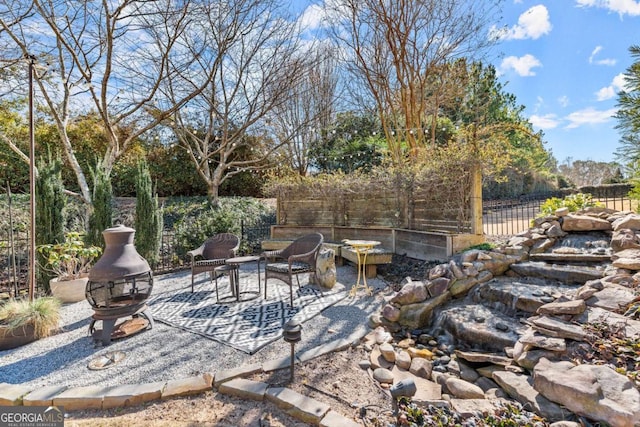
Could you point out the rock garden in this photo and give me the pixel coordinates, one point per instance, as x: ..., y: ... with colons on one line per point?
x: 548, y: 321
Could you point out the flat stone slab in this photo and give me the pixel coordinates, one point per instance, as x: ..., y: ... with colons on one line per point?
x: 470, y: 407
x: 276, y: 364
x: 240, y: 371
x: 187, y: 386
x: 42, y: 396
x: 132, y: 394
x: 77, y: 398
x: 520, y: 387
x: 245, y: 389
x: 334, y: 419
x: 298, y: 405
x: 558, y: 328
x: 426, y: 390
x: 471, y: 356
x: 330, y: 347
x: 564, y: 273
x: 11, y: 394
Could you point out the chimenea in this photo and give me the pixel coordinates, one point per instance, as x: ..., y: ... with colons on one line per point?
x: 119, y: 285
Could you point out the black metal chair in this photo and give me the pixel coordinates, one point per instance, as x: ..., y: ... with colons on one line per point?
x: 297, y: 258
x: 213, y: 253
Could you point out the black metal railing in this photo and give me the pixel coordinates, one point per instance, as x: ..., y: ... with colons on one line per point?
x: 253, y: 233
x: 512, y: 216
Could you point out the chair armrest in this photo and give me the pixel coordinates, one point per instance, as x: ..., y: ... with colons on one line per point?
x: 271, y: 254
x: 308, y: 257
x: 196, y: 252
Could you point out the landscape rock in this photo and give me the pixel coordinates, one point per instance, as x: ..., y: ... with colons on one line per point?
x: 595, y: 391
x: 326, y: 268
x: 564, y: 307
x: 412, y: 292
x: 388, y: 352
x: 573, y: 222
x: 520, y: 387
x: 421, y: 367
x: 383, y: 376
x: 403, y: 360
x: 464, y: 389
x: 419, y: 314
x: 391, y: 313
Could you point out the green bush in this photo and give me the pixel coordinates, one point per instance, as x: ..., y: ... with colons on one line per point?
x: 50, y: 208
x: 102, y: 214
x: 574, y: 202
x: 148, y: 220
x: 196, y: 220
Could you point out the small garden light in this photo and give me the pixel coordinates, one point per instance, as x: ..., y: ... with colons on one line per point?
x: 292, y: 333
x: 404, y: 388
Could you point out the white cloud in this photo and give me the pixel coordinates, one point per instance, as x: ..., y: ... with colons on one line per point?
x: 605, y: 93
x: 312, y: 17
x: 563, y: 101
x: 522, y: 65
x: 593, y: 60
x: 547, y: 121
x: 532, y: 24
x: 621, y: 7
x: 589, y: 116
x: 617, y: 84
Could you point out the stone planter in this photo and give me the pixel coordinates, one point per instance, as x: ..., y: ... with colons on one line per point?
x: 15, y: 337
x: 69, y: 291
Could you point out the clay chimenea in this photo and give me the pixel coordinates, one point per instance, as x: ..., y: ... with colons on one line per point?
x: 119, y: 285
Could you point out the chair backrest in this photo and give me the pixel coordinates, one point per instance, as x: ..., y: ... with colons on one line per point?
x: 303, y: 245
x: 221, y: 246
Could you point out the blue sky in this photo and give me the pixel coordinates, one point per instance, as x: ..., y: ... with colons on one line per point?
x: 563, y: 60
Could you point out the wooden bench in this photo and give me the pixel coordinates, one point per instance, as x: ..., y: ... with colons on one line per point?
x: 375, y: 256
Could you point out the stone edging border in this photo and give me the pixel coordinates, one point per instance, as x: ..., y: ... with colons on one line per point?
x: 230, y: 382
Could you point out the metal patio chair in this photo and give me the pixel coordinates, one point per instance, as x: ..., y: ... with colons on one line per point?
x: 213, y: 253
x: 297, y: 258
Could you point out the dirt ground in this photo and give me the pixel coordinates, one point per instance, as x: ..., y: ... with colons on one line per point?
x: 335, y: 379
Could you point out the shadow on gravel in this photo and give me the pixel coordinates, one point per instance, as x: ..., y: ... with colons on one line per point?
x: 34, y: 367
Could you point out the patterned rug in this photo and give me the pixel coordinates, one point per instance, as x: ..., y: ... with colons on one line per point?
x: 247, y: 326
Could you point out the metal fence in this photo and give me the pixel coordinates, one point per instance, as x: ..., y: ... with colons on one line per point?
x: 14, y: 259
x: 500, y: 217
x: 512, y: 216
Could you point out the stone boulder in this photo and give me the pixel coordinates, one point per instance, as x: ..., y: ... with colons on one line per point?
x: 411, y: 293
x: 594, y: 391
x: 326, y: 268
x: 631, y: 221
x: 573, y: 222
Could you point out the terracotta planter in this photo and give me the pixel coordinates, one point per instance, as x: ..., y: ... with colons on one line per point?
x: 15, y: 337
x: 68, y: 291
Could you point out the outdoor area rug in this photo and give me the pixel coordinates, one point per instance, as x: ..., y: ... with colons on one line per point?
x: 247, y: 326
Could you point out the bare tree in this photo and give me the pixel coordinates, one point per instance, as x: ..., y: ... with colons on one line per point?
x: 109, y: 58
x: 309, y: 108
x: 251, y: 51
x: 397, y: 47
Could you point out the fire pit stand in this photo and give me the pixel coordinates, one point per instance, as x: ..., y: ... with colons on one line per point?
x: 119, y: 285
x: 124, y: 329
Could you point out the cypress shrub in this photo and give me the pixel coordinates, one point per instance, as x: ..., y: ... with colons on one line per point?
x: 101, y: 216
x: 50, y: 206
x: 148, y: 219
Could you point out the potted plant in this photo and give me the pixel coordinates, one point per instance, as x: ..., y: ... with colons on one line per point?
x: 24, y: 321
x: 70, y: 261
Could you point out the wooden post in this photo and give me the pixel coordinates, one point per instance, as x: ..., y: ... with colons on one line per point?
x: 476, y: 201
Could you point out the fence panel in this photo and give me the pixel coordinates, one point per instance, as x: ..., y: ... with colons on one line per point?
x: 511, y: 216
x: 254, y: 233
